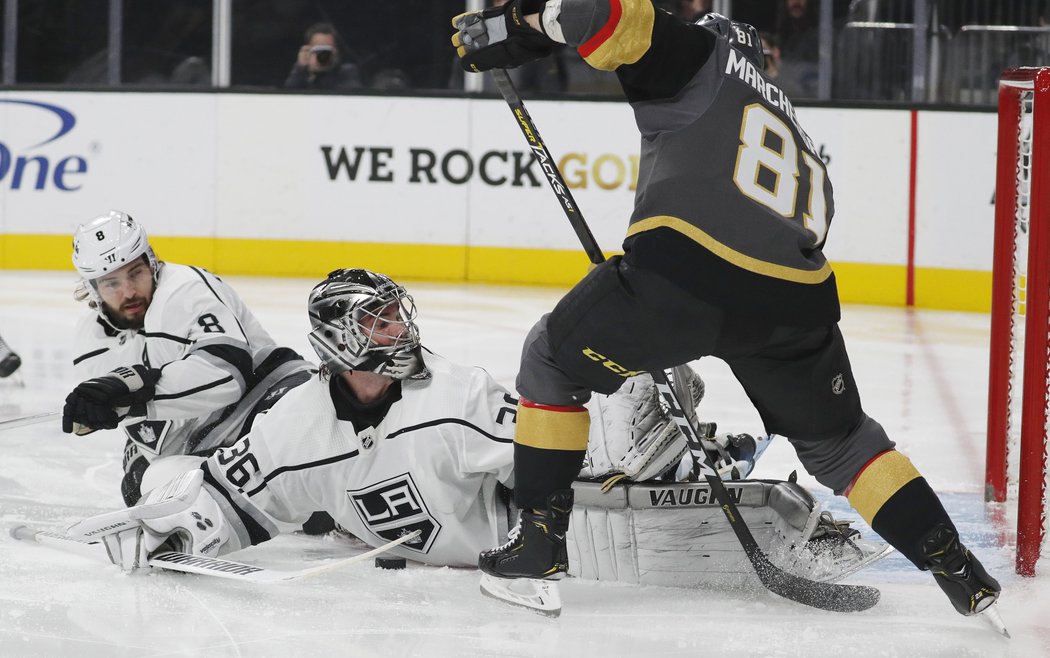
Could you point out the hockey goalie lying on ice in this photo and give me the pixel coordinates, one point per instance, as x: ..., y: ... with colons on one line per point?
x: 390, y: 438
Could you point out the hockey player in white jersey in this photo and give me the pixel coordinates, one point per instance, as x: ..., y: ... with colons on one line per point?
x: 390, y: 438
x: 168, y: 352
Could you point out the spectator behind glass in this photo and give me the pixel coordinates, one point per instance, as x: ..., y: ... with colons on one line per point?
x: 691, y: 11
x: 798, y: 34
x: 771, y: 50
x: 319, y: 64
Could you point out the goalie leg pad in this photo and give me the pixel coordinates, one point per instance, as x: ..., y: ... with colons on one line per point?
x: 166, y: 469
x: 672, y: 535
x: 180, y: 515
x: 676, y: 535
x: 198, y: 529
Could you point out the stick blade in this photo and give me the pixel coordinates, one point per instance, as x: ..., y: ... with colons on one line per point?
x: 218, y: 567
x: 541, y: 596
x: 825, y: 596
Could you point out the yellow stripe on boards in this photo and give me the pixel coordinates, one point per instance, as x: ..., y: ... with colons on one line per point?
x: 302, y: 258
x: 552, y: 430
x: 879, y: 481
x: 528, y: 266
x: 858, y: 283
x: 36, y: 252
x: 861, y: 283
x: 955, y: 290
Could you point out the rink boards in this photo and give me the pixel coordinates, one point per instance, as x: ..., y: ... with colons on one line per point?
x: 444, y: 189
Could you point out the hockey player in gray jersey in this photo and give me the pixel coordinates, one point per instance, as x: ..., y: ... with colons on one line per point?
x: 168, y: 352
x: 723, y: 257
x: 390, y: 438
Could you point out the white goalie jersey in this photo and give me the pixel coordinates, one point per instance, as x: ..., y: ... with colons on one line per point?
x: 429, y: 457
x: 216, y: 362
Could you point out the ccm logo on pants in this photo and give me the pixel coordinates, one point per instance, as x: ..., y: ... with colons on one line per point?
x: 610, y: 364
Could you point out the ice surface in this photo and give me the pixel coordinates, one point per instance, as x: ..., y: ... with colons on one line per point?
x: 923, y: 375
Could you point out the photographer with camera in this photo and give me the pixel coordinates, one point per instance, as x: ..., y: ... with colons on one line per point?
x: 319, y: 64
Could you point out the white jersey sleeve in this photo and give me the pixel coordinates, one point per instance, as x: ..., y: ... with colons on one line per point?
x: 274, y: 478
x: 98, y: 348
x: 202, y: 338
x: 490, y: 412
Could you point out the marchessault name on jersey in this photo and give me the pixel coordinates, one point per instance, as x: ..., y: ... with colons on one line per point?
x: 746, y: 72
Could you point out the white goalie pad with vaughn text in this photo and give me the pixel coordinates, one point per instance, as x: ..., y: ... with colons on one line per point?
x: 676, y: 535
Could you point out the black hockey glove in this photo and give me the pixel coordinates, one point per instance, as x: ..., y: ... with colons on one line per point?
x: 102, y: 402
x: 499, y: 37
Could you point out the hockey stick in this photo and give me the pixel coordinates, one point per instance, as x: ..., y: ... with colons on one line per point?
x: 827, y: 596
x: 28, y: 420
x: 197, y: 564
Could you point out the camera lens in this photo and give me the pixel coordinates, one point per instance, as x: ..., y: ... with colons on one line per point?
x: 324, y: 56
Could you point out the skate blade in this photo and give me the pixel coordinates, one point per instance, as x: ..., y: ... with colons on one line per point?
x: 540, y: 596
x: 995, y: 620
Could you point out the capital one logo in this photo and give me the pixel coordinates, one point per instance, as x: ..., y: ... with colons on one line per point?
x: 33, y: 167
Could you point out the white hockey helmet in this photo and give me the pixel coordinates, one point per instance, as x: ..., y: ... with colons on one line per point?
x: 346, y: 311
x: 110, y: 242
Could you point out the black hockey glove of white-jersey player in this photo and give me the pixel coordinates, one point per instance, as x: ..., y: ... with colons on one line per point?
x: 102, y: 402
x: 499, y: 37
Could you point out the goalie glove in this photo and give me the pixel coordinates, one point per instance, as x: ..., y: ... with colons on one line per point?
x: 102, y: 402
x: 637, y: 437
x: 179, y: 516
x: 733, y: 456
x: 499, y: 37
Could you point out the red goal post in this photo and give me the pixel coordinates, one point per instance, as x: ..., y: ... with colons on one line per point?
x: 1019, y: 365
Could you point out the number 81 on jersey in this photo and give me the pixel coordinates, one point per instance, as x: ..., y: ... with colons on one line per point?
x: 767, y: 170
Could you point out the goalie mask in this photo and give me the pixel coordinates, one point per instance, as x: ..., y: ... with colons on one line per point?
x: 103, y: 246
x: 741, y: 36
x: 364, y: 321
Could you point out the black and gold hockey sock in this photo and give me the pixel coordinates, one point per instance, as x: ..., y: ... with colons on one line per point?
x: 898, y: 503
x: 549, y: 445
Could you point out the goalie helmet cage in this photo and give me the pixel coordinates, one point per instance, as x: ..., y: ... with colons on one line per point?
x: 1019, y: 364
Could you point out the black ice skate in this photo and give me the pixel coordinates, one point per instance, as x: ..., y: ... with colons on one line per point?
x: 968, y: 586
x: 523, y: 570
x: 9, y: 361
x: 535, y: 547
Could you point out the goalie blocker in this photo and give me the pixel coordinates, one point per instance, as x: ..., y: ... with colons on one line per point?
x: 676, y: 535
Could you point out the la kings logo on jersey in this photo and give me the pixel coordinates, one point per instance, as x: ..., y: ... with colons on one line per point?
x: 394, y: 508
x: 149, y: 434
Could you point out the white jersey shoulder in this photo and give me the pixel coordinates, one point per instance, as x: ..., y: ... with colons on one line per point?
x: 191, y: 305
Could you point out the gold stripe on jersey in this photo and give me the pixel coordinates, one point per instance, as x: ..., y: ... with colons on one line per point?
x: 552, y: 430
x: 879, y: 481
x: 624, y: 38
x: 743, y: 261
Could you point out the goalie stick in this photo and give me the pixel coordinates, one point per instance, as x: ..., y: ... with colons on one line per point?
x: 198, y: 564
x: 826, y: 596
